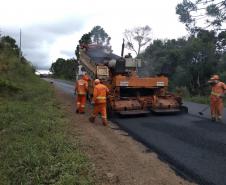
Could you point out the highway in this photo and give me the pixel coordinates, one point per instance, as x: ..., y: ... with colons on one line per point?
x: 194, y: 146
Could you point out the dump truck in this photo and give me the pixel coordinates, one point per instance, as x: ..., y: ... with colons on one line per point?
x: 129, y: 94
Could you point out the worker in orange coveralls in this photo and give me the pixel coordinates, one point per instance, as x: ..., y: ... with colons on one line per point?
x: 99, y: 100
x: 85, y: 77
x: 218, y: 90
x: 81, y: 88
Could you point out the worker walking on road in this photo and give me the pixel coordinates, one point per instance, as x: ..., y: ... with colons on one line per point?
x: 218, y: 90
x: 81, y: 88
x: 99, y: 100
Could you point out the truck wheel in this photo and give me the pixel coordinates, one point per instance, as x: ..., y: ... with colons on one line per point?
x: 184, y: 109
x: 110, y: 112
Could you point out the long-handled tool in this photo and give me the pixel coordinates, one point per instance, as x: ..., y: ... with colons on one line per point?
x: 203, y: 110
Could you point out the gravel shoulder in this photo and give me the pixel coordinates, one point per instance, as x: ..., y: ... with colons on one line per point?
x: 116, y: 157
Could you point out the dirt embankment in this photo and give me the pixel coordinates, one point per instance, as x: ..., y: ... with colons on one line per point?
x: 116, y: 157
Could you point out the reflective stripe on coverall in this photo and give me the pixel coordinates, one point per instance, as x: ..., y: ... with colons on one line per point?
x: 99, y: 98
x: 81, y: 90
x: 216, y: 101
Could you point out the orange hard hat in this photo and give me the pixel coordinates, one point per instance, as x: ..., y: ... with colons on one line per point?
x: 97, y: 81
x: 215, y: 77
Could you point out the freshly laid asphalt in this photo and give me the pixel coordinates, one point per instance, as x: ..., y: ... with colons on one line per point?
x: 195, y: 146
x: 192, y: 144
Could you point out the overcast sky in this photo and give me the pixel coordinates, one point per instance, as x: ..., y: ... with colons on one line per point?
x: 52, y: 28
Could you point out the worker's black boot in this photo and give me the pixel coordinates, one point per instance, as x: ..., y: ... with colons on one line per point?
x: 92, y: 119
x: 104, y: 122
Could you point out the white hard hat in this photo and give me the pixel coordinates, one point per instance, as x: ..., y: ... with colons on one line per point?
x: 97, y: 81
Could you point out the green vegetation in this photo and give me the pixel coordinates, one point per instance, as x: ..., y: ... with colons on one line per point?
x: 188, y: 62
x: 96, y: 36
x: 35, y: 146
x: 198, y: 99
x: 99, y: 36
x: 208, y: 13
x: 64, y: 69
x: 67, y: 69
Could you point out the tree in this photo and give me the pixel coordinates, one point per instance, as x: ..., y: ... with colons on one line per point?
x: 65, y: 69
x: 77, y: 54
x: 99, y: 36
x: 162, y: 57
x: 201, y: 60
x: 137, y: 38
x: 85, y: 39
x: 188, y: 62
x: 9, y: 43
x: 208, y: 13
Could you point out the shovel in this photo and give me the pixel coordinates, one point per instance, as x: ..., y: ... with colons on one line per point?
x: 203, y: 110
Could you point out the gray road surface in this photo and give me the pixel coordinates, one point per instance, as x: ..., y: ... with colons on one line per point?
x: 192, y: 144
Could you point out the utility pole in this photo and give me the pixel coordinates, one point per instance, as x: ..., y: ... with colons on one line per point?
x: 20, y: 52
x: 123, y: 46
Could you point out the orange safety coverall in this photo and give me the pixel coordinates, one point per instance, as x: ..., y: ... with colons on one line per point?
x: 99, y: 98
x: 85, y: 77
x: 216, y: 101
x: 81, y: 88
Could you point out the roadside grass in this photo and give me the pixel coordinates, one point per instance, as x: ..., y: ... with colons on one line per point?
x: 35, y: 147
x: 184, y: 93
x: 198, y: 99
x: 201, y: 99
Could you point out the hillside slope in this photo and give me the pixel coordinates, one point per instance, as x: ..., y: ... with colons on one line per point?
x: 34, y: 146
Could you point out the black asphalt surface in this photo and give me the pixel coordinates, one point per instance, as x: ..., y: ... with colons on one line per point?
x: 193, y: 145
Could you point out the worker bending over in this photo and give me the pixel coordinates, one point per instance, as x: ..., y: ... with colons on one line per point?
x: 218, y: 90
x: 99, y: 100
x: 81, y: 88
